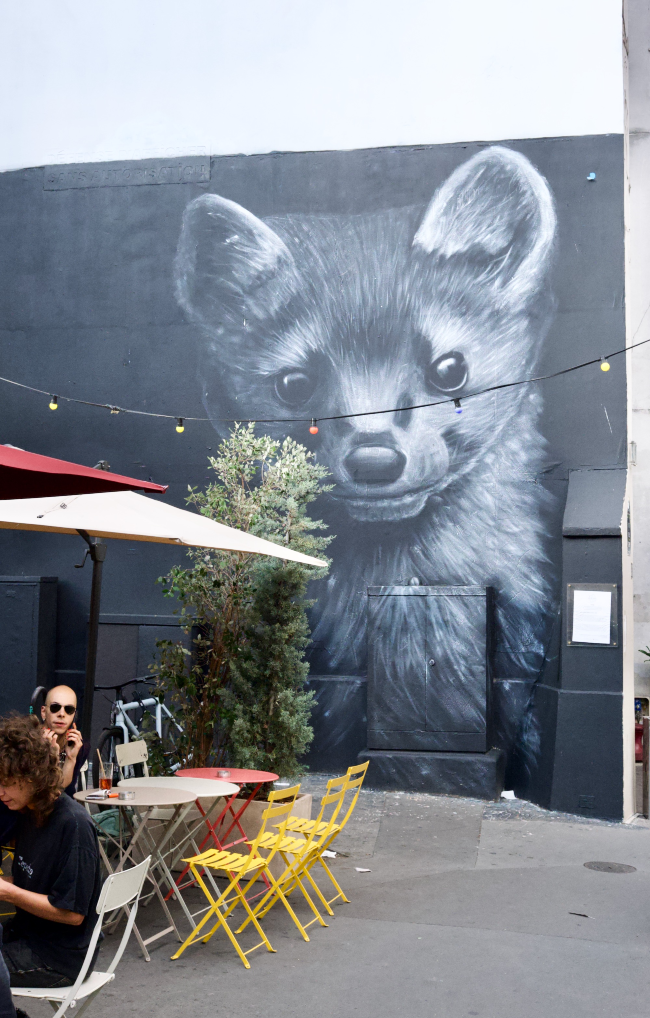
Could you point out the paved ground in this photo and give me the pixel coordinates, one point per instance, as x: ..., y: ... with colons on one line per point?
x: 469, y: 909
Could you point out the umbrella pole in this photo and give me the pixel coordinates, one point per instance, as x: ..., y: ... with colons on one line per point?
x: 97, y: 550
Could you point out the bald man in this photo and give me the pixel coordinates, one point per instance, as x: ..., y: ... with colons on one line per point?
x: 58, y: 717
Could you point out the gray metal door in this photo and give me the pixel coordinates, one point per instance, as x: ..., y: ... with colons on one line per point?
x: 428, y: 668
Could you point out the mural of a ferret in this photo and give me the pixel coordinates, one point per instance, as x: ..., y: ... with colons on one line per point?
x: 313, y: 316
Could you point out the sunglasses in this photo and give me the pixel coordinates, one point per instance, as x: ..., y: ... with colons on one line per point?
x: 56, y: 707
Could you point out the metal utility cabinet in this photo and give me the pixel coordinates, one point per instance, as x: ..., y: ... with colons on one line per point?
x: 429, y: 680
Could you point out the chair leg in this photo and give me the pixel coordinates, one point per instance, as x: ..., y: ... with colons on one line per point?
x: 341, y: 892
x: 317, y: 916
x: 280, y: 894
x: 212, y: 910
x: 253, y: 919
x: 327, y: 903
x: 288, y: 882
x: 82, y: 1008
x: 260, y: 904
x: 274, y: 893
x: 233, y: 939
x: 292, y: 876
x: 318, y: 891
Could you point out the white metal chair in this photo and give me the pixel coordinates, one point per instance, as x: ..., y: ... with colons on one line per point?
x: 119, y: 891
x: 83, y: 783
x: 130, y: 753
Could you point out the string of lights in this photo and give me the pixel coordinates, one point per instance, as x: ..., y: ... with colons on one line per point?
x: 315, y: 421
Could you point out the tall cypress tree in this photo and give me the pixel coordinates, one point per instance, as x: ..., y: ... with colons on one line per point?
x: 267, y: 701
x: 239, y: 694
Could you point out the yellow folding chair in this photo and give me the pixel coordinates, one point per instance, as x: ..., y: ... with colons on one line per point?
x: 351, y: 781
x: 298, y: 825
x: 298, y: 855
x: 239, y: 868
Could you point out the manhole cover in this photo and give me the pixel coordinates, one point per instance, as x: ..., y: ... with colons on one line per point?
x: 610, y: 867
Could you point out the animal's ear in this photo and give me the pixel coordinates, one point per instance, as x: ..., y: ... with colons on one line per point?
x: 495, y: 212
x: 230, y: 265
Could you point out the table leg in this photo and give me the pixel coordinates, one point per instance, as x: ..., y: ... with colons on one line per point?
x: 141, y: 833
x: 220, y: 842
x: 160, y: 862
x: 110, y: 926
x: 212, y: 833
x: 223, y: 846
x: 183, y: 850
x: 199, y: 848
x: 236, y: 817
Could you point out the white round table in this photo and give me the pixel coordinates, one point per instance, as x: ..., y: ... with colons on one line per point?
x: 145, y: 803
x: 201, y: 788
x: 150, y: 797
x: 192, y: 832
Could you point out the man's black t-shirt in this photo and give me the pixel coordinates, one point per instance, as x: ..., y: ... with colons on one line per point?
x: 59, y: 859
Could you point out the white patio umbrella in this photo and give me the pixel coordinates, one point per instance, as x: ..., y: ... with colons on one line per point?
x: 128, y: 517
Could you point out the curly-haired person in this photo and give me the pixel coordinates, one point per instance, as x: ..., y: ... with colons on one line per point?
x: 56, y: 880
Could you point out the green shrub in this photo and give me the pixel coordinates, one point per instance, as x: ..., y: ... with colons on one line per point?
x: 239, y: 692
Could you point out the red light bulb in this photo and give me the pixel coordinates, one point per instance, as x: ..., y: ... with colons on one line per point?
x: 313, y: 430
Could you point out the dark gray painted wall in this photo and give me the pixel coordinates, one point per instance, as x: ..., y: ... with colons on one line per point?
x: 27, y: 638
x: 87, y: 308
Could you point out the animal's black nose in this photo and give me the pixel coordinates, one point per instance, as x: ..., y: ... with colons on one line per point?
x: 374, y: 464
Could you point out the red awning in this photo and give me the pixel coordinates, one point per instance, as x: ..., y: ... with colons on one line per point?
x: 28, y: 475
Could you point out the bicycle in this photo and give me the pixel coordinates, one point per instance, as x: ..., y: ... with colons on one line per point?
x: 124, y: 729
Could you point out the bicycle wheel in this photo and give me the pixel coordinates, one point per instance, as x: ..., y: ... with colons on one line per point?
x: 108, y: 740
x: 171, y: 751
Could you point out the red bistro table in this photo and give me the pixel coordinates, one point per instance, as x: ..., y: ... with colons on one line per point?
x: 240, y: 776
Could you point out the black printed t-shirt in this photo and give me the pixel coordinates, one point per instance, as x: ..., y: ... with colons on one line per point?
x: 59, y: 859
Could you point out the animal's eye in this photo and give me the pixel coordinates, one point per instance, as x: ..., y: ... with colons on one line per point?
x: 449, y: 372
x: 294, y: 387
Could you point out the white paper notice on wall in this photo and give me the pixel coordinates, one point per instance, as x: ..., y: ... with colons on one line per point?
x: 592, y: 612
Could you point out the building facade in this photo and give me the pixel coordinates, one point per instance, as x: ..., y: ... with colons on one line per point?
x: 339, y: 212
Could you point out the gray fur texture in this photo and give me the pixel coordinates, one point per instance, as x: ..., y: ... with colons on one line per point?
x: 312, y: 316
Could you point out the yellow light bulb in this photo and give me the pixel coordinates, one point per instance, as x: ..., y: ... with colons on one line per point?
x: 180, y: 427
x: 54, y: 402
x: 604, y: 365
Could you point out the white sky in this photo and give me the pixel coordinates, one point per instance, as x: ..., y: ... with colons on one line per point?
x: 82, y: 80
